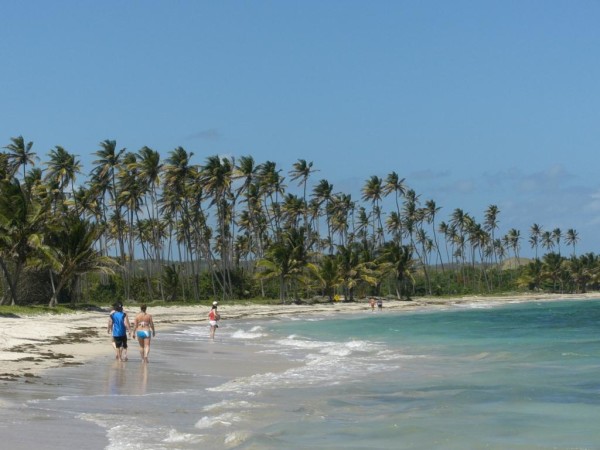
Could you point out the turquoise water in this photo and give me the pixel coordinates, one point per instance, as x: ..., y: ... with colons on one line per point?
x: 522, y: 376
x: 516, y: 376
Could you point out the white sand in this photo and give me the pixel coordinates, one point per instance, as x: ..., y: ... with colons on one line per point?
x: 31, y: 344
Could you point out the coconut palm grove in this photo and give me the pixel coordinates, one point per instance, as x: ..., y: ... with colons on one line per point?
x: 143, y: 227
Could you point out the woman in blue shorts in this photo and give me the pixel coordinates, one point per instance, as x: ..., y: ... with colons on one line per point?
x: 143, y: 329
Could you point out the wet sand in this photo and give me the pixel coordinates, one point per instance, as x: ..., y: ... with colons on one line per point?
x: 31, y: 344
x: 104, y: 395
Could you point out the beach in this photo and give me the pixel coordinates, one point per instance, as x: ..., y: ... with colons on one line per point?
x: 331, y: 375
x: 31, y: 344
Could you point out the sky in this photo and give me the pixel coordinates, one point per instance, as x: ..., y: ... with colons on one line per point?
x: 474, y: 103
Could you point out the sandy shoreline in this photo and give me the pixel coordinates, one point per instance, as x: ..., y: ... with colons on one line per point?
x: 31, y: 344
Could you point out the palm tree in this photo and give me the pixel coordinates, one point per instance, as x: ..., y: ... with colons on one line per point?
x: 363, y: 219
x: 372, y: 191
x: 216, y: 178
x: 490, y: 224
x: 532, y: 275
x: 572, y: 238
x: 148, y: 168
x: 500, y: 250
x: 393, y: 225
x: 557, y: 235
x: 480, y: 241
x: 326, y: 274
x: 552, y: 268
x: 426, y: 244
x: 512, y: 238
x: 63, y: 168
x: 4, y: 165
x: 176, y: 204
x: 131, y: 195
x: 393, y: 183
x: 322, y: 193
x: 292, y: 209
x: 23, y: 222
x: 20, y: 155
x: 458, y: 224
x: 89, y: 207
x: 341, y: 209
x: 578, y: 272
x: 246, y: 171
x: 72, y: 254
x: 535, y: 234
x: 353, y: 270
x: 271, y: 186
x: 397, y: 259
x: 588, y: 270
x: 286, y: 260
x: 104, y: 180
x: 459, y: 221
x: 34, y: 185
x: 171, y: 282
x: 547, y: 240
x: 302, y: 171
x: 431, y: 209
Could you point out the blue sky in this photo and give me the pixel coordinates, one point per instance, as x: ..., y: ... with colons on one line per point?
x: 472, y: 102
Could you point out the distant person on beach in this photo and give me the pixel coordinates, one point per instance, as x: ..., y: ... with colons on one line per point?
x: 213, y: 318
x: 379, y: 304
x: 118, y: 323
x: 372, y: 303
x: 143, y: 329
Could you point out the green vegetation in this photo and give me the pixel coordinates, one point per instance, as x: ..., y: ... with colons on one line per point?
x: 139, y: 228
x: 34, y: 310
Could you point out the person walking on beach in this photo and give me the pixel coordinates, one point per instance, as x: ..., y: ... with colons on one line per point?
x: 379, y: 304
x: 213, y: 318
x: 372, y: 303
x: 118, y: 323
x: 143, y: 329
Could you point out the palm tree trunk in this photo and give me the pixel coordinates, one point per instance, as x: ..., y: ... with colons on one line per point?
x: 12, y: 281
x: 282, y: 289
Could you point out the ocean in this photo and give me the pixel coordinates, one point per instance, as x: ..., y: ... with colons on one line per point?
x: 510, y: 376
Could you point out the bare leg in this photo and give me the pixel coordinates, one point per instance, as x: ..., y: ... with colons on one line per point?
x: 146, y: 349
x: 141, y: 342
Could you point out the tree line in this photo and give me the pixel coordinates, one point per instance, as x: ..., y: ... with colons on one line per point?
x: 140, y: 226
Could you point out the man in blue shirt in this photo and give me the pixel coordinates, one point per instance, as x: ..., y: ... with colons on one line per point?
x: 118, y: 323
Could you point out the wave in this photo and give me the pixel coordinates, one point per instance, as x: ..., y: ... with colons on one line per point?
x: 254, y: 333
x: 123, y: 432
x: 324, y: 363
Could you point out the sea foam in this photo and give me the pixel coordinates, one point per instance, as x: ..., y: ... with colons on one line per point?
x: 254, y: 333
